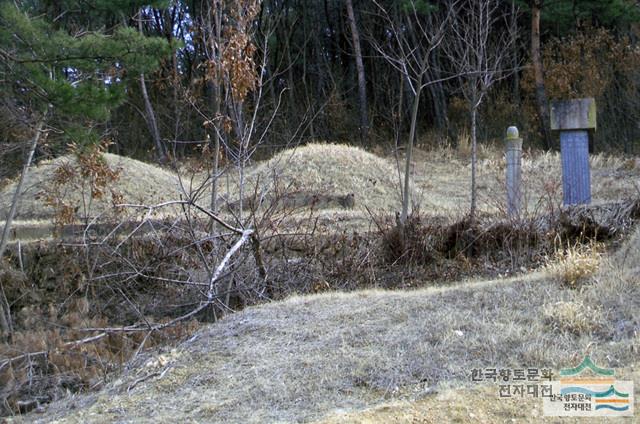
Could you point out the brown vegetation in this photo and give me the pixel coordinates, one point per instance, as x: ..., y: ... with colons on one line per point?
x: 154, y: 277
x: 380, y: 347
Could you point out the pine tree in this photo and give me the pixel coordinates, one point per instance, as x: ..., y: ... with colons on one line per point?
x: 64, y: 73
x: 76, y: 71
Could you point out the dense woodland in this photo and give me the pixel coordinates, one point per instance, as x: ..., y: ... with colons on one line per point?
x: 158, y: 79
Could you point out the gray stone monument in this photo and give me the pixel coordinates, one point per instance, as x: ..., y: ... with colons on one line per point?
x: 574, y: 119
x: 513, y: 144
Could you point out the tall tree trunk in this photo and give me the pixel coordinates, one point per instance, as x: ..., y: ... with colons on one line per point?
x: 406, y: 189
x: 311, y: 105
x: 424, y: 67
x: 152, y: 123
x: 161, y: 154
x: 362, y: 82
x: 215, y: 147
x: 438, y: 100
x: 216, y: 99
x: 287, y: 30
x: 5, y: 318
x: 536, y: 57
x: 291, y: 104
x: 474, y: 162
x: 515, y: 58
x: 400, y: 113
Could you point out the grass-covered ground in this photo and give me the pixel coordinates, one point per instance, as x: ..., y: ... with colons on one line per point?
x: 374, y: 356
x: 443, y: 180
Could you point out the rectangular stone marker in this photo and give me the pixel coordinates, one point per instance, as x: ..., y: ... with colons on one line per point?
x: 574, y: 119
x: 576, y: 173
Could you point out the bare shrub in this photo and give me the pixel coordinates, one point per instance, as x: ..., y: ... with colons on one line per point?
x: 88, y: 176
x: 498, y: 246
x: 50, y: 352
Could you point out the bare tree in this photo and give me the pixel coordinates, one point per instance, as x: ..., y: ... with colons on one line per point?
x: 536, y: 58
x: 362, y: 81
x: 150, y: 115
x: 412, y: 37
x: 478, y: 47
x: 5, y: 316
x: 213, y: 46
x: 227, y: 38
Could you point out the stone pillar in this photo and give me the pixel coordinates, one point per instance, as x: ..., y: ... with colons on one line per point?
x: 574, y: 119
x: 513, y: 145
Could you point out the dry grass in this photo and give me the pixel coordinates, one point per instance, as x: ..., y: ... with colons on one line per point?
x: 575, y: 264
x: 378, y: 356
x: 464, y: 144
x: 336, y: 356
x: 138, y: 183
x: 441, y: 176
x: 478, y: 405
x: 616, y: 290
x: 307, y: 357
x: 443, y: 180
x: 627, y: 258
x: 573, y: 316
x: 314, y: 176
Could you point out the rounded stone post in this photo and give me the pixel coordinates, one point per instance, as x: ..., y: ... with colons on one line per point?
x: 513, y: 144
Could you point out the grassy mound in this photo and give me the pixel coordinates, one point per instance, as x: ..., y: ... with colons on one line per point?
x: 331, y: 169
x: 138, y: 182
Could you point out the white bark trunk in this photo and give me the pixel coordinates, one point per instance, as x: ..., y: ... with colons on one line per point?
x: 161, y: 153
x: 5, y: 319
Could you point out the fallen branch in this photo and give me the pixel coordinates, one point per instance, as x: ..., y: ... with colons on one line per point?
x: 211, y: 297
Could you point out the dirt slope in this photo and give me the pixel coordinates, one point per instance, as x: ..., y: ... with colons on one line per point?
x: 376, y: 356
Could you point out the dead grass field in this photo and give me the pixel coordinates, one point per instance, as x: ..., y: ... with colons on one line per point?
x: 443, y: 180
x: 377, y: 356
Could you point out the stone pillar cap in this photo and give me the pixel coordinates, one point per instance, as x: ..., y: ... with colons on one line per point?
x: 576, y: 114
x: 513, y: 133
